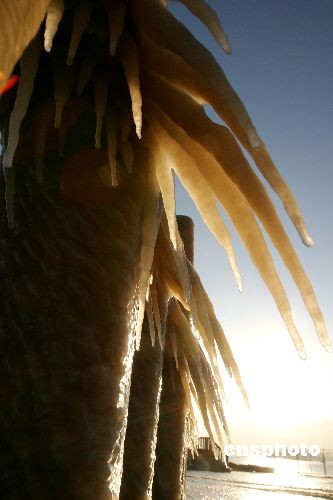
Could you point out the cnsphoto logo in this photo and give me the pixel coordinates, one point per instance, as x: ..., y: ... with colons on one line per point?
x: 270, y: 450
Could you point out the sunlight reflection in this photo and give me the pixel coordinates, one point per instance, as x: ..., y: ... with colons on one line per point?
x: 285, y: 467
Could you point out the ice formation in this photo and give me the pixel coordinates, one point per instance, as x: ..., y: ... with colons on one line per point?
x: 149, y: 82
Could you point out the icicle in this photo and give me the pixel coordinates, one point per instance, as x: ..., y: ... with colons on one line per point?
x: 173, y: 342
x: 10, y: 175
x: 165, y: 180
x: 156, y: 312
x: 186, y: 382
x: 174, y: 285
x: 208, y: 16
x: 101, y: 87
x: 229, y: 361
x: 199, y: 393
x: 150, y: 317
x: 129, y: 56
x: 204, y: 327
x: 216, y: 424
x: 53, y: 17
x: 216, y: 388
x: 219, y: 382
x: 204, y: 389
x: 199, y: 190
x: 64, y: 83
x: 181, y: 263
x: 81, y: 18
x: 176, y: 274
x: 164, y: 176
x: 223, y: 344
x: 150, y: 282
x: 86, y: 72
x: 150, y: 224
x: 116, y: 10
x: 192, y: 434
x: 111, y: 132
x: 127, y: 154
x: 163, y: 296
x: 266, y: 166
x: 165, y: 31
x: 29, y: 67
x: 172, y: 375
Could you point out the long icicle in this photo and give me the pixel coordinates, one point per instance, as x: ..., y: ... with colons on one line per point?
x: 156, y: 314
x: 126, y: 151
x: 208, y: 16
x: 205, y: 327
x: 116, y: 10
x: 223, y: 344
x: 190, y: 351
x: 186, y: 382
x: 268, y: 169
x: 81, y: 18
x: 64, y: 83
x: 213, y: 388
x: 171, y: 270
x: 166, y: 183
x: 174, y: 347
x: 211, y: 402
x: 201, y: 371
x: 111, y: 132
x: 101, y: 87
x: 200, y: 192
x: 29, y: 67
x: 150, y: 317
x: 150, y: 224
x: 10, y: 174
x: 172, y: 278
x: 129, y: 56
x: 54, y: 15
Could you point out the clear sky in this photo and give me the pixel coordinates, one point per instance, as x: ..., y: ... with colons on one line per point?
x: 282, y: 68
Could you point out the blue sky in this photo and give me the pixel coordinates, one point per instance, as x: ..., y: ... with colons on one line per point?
x: 282, y: 68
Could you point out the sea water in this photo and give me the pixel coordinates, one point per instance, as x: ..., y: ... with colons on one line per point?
x: 284, y: 484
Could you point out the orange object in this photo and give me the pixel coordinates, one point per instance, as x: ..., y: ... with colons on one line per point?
x: 11, y: 82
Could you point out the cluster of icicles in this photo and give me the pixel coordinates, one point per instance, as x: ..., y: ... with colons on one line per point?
x: 169, y: 77
x: 189, y: 326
